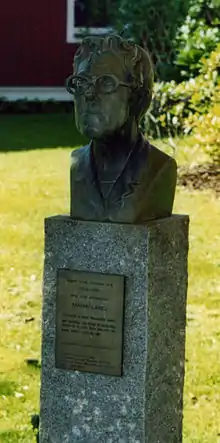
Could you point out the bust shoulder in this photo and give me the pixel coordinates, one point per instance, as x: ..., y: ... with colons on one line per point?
x: 79, y: 154
x: 159, y: 158
x: 80, y: 161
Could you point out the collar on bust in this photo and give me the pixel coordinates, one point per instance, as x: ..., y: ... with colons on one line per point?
x: 127, y: 171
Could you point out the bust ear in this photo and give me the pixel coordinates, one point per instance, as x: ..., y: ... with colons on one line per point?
x: 137, y: 102
x: 142, y: 102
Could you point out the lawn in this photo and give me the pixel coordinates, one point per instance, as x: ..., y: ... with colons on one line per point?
x: 25, y: 132
x: 35, y: 184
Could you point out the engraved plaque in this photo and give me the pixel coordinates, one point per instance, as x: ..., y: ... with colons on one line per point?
x: 89, y: 322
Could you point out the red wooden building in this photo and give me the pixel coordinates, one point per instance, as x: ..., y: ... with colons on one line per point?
x: 37, y: 44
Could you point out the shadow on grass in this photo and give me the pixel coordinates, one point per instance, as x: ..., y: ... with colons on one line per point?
x: 23, y: 132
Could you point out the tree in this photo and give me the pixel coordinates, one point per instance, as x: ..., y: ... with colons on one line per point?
x: 153, y: 24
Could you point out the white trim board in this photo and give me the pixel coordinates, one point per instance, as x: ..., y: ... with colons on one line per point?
x: 34, y: 93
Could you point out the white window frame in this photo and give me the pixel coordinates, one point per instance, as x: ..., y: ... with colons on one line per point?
x: 73, y: 33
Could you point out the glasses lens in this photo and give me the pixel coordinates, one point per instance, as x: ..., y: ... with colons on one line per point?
x: 69, y: 84
x: 76, y: 85
x: 107, y: 84
x: 80, y: 84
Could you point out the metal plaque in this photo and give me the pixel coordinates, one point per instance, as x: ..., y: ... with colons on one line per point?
x: 89, y: 322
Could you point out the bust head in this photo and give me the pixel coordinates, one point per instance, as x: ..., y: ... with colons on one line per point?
x: 111, y: 84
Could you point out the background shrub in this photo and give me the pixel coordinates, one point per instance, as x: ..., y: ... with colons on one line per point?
x: 151, y: 24
x: 192, y: 106
x: 176, y: 32
x: 198, y: 36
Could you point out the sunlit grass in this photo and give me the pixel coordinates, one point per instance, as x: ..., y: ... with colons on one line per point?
x: 184, y: 149
x: 34, y: 185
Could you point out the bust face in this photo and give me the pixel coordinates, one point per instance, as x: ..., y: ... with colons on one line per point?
x: 102, y: 106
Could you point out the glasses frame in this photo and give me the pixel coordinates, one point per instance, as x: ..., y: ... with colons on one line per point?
x: 92, y: 81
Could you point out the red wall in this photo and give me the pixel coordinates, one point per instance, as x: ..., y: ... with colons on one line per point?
x: 33, y: 48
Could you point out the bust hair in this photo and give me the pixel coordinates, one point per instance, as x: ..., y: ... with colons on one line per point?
x: 136, y: 63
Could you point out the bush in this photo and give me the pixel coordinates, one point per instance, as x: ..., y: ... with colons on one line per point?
x: 206, y: 130
x: 205, y: 122
x: 198, y: 36
x: 192, y: 106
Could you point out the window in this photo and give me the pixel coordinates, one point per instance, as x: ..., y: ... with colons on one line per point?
x: 87, y: 17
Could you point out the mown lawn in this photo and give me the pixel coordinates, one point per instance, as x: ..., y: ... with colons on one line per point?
x: 35, y: 184
x: 26, y: 131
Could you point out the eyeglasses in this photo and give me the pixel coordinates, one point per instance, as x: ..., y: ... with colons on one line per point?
x: 105, y: 84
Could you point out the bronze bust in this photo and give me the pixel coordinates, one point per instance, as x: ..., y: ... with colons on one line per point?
x: 118, y: 176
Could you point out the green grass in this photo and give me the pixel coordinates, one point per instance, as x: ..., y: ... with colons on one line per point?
x: 25, y: 132
x: 34, y: 185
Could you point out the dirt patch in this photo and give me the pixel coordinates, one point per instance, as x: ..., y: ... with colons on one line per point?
x: 205, y: 176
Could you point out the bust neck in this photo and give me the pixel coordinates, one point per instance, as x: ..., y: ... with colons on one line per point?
x: 110, y: 153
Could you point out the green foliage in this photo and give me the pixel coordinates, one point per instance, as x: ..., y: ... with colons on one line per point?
x: 191, y: 106
x: 206, y: 129
x: 194, y: 46
x: 151, y: 24
x: 177, y: 33
x: 198, y: 36
x: 205, y: 121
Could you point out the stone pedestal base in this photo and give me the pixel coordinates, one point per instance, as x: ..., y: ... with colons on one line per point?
x: 145, y: 404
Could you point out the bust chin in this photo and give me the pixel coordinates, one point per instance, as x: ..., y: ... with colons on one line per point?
x: 118, y: 176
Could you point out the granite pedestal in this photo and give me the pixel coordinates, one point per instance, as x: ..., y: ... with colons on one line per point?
x: 145, y: 404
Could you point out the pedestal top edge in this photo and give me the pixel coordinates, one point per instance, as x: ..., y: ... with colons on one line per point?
x: 64, y: 218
